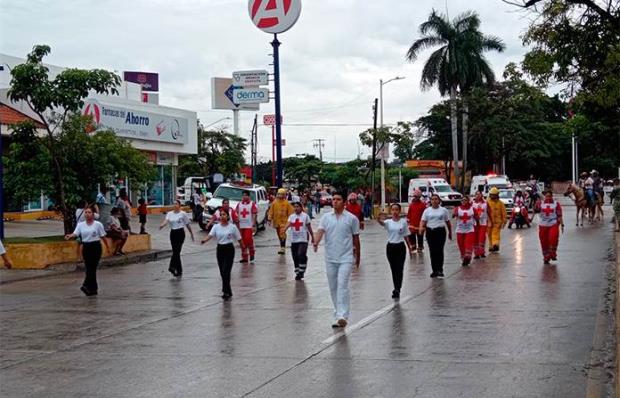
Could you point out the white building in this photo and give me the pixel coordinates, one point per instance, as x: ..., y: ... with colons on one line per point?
x: 163, y: 133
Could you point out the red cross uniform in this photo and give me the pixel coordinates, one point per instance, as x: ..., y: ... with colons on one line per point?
x: 246, y: 213
x: 549, y: 229
x: 298, y: 227
x: 465, y: 230
x: 480, y: 230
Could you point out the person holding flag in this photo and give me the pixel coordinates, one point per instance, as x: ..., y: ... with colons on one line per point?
x: 549, y: 223
x: 247, y: 212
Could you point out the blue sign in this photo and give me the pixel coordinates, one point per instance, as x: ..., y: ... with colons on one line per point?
x: 229, y: 94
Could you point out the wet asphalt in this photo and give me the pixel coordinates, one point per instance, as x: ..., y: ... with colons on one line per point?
x: 507, y: 326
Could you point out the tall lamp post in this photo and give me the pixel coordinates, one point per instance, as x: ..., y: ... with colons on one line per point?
x: 383, y: 154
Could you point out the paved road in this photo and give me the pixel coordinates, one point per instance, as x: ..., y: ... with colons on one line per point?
x: 506, y: 326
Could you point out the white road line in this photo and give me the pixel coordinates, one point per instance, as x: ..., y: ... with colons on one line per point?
x: 369, y: 319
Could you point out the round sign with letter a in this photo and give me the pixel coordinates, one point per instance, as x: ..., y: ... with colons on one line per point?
x: 274, y: 16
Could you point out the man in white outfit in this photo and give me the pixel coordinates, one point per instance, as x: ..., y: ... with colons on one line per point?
x: 341, y: 230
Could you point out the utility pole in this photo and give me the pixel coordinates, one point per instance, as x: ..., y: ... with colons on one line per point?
x: 254, y: 148
x: 319, y: 143
x: 374, y: 152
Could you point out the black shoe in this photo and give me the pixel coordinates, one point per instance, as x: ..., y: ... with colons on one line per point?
x: 299, y: 277
x: 467, y: 261
x: 172, y: 271
x: 463, y: 263
x: 226, y: 296
x: 86, y: 291
x: 496, y: 248
x: 440, y: 275
x: 546, y: 262
x: 251, y: 258
x: 509, y: 226
x: 243, y: 260
x: 395, y: 294
x: 476, y: 257
x: 434, y: 275
x: 483, y: 256
x: 554, y: 258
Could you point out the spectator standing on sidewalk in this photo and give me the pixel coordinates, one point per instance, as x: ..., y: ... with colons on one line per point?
x: 341, y: 230
x: 396, y: 250
x: 178, y: 221
x: 226, y: 233
x: 435, y: 220
x: 142, y: 212
x: 90, y: 232
x: 123, y: 203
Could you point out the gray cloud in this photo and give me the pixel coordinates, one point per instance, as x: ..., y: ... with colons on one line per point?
x: 332, y: 59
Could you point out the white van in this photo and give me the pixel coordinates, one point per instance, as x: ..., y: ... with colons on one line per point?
x: 483, y: 183
x: 429, y: 186
x: 185, y: 193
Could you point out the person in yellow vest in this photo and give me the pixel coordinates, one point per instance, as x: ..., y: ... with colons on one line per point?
x: 497, y: 219
x: 278, y: 214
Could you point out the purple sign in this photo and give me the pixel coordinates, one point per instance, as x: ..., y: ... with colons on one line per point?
x: 148, y: 81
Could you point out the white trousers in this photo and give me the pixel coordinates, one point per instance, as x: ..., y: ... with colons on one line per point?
x: 338, y: 276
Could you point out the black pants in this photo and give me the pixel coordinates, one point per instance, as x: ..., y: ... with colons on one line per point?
x: 396, y: 255
x: 92, y: 254
x: 436, y: 238
x: 177, y: 237
x: 198, y: 209
x: 299, y: 251
x: 417, y: 240
x: 225, y: 256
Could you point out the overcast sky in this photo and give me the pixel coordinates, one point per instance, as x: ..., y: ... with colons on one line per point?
x: 331, y: 60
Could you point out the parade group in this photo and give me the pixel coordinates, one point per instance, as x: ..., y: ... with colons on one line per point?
x: 476, y: 219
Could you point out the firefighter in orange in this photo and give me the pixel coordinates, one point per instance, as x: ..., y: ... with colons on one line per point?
x: 497, y: 219
x: 278, y: 214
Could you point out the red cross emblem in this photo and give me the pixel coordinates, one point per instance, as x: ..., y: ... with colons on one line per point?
x: 244, y: 213
x: 297, y: 224
x: 478, y: 211
x: 547, y: 210
x: 465, y: 217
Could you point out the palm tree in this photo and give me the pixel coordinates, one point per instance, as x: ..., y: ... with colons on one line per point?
x: 457, y: 65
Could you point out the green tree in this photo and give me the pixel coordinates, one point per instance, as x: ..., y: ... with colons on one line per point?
x: 304, y: 169
x: 458, y: 64
x: 85, y: 159
x: 218, y: 152
x: 54, y: 100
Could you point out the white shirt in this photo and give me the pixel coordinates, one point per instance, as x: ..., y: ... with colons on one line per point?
x: 225, y: 235
x: 298, y: 227
x: 89, y: 233
x: 177, y: 220
x: 435, y: 218
x: 397, y: 230
x: 465, y: 220
x: 339, y: 231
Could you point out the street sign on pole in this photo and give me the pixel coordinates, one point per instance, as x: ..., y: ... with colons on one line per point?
x: 222, y: 95
x: 251, y: 78
x: 270, y: 120
x: 274, y: 16
x: 253, y: 95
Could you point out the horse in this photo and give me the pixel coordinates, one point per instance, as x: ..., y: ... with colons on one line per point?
x: 581, y: 202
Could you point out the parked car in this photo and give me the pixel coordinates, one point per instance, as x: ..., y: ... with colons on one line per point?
x: 482, y: 183
x: 233, y: 192
x: 429, y: 186
x: 186, y: 191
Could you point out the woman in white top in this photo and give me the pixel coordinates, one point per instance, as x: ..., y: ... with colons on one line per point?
x: 90, y: 233
x: 178, y: 220
x: 435, y: 219
x: 226, y: 233
x: 396, y: 251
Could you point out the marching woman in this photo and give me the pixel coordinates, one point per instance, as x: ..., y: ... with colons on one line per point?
x: 549, y: 222
x: 480, y: 230
x: 90, y: 232
x: 435, y: 219
x: 396, y: 251
x: 299, y: 224
x: 466, y: 221
x: 225, y: 233
x: 178, y: 220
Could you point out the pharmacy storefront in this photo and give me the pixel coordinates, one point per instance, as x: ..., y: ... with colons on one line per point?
x: 163, y: 133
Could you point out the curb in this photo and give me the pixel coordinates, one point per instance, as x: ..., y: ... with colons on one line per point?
x: 61, y: 269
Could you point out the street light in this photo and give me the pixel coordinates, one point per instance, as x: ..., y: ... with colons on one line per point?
x: 381, y: 84
x: 217, y: 121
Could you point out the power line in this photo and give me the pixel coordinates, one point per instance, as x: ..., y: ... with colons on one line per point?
x: 319, y: 143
